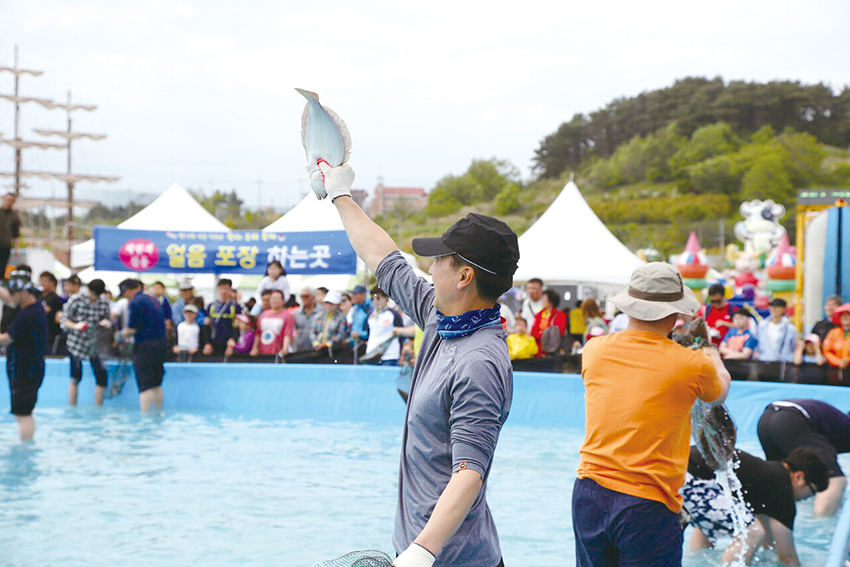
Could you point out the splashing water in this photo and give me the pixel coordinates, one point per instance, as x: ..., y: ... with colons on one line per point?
x: 731, y: 486
x: 715, y: 434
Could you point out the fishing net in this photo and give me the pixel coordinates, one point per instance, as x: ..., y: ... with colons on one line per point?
x: 714, y: 434
x: 366, y: 558
x: 121, y: 371
x: 712, y: 427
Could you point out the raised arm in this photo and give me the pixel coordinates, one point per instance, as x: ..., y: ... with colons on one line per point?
x: 722, y: 373
x: 369, y: 240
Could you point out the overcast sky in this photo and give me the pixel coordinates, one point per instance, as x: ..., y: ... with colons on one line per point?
x: 201, y: 92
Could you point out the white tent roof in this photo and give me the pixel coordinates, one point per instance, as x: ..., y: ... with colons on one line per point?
x: 312, y: 214
x: 175, y: 209
x: 309, y: 215
x: 569, y: 244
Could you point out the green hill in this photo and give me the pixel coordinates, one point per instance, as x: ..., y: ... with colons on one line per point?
x: 681, y: 170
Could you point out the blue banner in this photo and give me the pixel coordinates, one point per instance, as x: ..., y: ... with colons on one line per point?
x: 236, y: 252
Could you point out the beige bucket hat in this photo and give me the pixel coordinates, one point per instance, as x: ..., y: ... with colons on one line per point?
x: 655, y: 291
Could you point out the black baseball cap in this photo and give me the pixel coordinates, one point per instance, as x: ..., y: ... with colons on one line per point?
x: 74, y: 279
x: 778, y: 302
x: 483, y: 242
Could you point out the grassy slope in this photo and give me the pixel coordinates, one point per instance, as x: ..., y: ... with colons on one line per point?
x: 668, y: 236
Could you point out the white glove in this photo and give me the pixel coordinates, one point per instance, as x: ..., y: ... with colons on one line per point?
x: 414, y: 556
x: 338, y: 180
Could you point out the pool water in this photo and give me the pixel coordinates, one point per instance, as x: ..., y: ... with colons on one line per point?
x: 108, y: 486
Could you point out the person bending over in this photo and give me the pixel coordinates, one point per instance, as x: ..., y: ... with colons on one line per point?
x: 770, y: 490
x: 788, y: 424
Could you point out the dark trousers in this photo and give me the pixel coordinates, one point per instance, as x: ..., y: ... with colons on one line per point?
x: 97, y: 367
x: 783, y: 429
x: 614, y: 529
x: 4, y: 261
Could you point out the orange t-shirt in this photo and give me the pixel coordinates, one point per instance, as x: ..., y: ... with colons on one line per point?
x: 639, y: 389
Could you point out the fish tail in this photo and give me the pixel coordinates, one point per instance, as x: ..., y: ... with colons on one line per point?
x: 309, y: 95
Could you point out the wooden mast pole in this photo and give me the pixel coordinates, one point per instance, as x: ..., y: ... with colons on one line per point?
x: 17, y: 136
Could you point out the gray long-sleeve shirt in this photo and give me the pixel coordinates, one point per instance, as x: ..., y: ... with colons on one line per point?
x: 460, y: 397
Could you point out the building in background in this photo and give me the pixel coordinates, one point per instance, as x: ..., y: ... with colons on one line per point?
x: 359, y: 196
x: 386, y: 199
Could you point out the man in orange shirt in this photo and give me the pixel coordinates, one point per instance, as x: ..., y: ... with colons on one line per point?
x: 639, y: 389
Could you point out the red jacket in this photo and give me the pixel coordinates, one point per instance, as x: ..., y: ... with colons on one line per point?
x: 544, y: 320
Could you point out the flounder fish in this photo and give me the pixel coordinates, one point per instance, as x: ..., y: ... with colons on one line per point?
x: 325, y: 137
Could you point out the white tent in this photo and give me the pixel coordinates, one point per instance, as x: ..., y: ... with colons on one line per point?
x: 569, y: 244
x: 314, y: 215
x: 310, y: 214
x: 175, y: 209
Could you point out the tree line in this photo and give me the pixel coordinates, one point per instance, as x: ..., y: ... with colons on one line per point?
x: 714, y: 159
x: 692, y: 103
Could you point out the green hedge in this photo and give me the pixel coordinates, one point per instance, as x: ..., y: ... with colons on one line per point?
x: 662, y: 210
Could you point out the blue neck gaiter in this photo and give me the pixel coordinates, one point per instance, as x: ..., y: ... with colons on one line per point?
x: 467, y: 323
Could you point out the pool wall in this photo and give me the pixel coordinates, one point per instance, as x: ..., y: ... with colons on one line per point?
x: 349, y: 393
x: 325, y: 392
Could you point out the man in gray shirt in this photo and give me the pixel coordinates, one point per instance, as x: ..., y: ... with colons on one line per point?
x: 308, y: 311
x: 462, y: 383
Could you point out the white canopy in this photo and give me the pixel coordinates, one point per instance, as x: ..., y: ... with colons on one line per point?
x: 175, y: 209
x: 312, y: 214
x: 569, y: 244
x: 309, y: 215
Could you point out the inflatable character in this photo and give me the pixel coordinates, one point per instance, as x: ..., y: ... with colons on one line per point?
x: 746, y: 266
x: 760, y: 230
x: 733, y: 251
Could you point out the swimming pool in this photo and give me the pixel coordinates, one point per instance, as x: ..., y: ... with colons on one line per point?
x: 283, y: 466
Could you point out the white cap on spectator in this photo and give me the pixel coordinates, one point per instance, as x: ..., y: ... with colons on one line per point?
x: 334, y: 297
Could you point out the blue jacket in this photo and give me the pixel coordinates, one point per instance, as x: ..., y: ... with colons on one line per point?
x: 358, y: 321
x: 784, y: 350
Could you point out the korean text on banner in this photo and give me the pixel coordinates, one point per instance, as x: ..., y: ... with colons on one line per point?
x: 236, y: 252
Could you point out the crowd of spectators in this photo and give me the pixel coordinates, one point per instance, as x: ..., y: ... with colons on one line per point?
x: 276, y: 323
x: 775, y: 339
x: 85, y: 322
x: 542, y: 329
